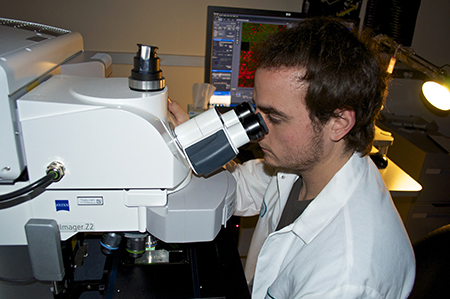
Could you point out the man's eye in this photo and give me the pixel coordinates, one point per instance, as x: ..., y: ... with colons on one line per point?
x: 273, y: 120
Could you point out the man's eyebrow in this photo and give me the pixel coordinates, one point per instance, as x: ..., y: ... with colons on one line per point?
x: 272, y: 111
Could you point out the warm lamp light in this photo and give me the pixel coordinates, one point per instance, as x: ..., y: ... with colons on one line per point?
x: 437, y: 95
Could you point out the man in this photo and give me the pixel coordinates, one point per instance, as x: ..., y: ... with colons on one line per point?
x: 327, y: 226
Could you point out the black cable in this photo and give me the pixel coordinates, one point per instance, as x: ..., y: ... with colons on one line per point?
x: 43, y: 182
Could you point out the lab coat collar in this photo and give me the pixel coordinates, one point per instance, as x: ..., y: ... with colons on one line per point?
x: 330, y: 200
x: 285, y: 181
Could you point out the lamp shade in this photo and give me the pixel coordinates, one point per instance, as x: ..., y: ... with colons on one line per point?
x: 437, y: 95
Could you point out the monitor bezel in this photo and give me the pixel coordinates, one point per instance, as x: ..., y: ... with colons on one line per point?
x: 236, y: 10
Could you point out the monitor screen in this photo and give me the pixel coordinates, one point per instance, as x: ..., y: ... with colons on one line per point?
x: 231, y: 36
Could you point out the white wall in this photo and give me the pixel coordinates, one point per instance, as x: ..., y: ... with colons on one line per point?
x: 176, y: 27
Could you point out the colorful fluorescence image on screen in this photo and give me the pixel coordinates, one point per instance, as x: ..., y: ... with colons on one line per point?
x: 252, y: 34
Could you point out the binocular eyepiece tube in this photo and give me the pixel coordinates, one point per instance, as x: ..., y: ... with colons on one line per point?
x: 211, y: 139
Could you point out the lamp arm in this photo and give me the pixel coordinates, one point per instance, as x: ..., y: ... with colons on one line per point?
x: 410, y: 58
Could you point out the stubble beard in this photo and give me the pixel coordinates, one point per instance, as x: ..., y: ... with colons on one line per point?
x: 300, y: 159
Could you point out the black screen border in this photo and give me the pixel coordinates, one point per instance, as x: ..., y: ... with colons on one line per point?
x: 239, y: 11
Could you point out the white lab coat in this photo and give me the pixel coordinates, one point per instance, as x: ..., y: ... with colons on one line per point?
x: 348, y: 243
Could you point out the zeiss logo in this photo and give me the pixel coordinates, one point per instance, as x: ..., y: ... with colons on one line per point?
x: 62, y: 205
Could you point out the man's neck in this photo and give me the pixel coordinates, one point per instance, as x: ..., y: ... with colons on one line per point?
x: 318, y: 176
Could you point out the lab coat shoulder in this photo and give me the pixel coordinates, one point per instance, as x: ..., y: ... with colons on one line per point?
x: 342, y: 245
x: 252, y: 179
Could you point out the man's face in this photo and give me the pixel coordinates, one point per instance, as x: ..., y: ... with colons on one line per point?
x: 291, y: 143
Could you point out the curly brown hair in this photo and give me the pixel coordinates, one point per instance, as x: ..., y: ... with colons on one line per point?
x: 343, y: 71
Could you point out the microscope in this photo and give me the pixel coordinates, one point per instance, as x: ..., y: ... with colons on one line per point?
x: 88, y: 155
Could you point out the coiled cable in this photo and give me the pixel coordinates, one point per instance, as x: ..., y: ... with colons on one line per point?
x: 55, y: 172
x: 42, y: 183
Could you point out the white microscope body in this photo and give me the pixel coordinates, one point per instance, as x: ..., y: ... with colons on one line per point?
x: 123, y: 169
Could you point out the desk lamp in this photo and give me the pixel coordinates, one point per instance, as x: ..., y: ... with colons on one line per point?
x: 436, y: 88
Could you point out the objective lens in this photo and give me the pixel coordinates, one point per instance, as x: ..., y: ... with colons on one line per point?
x: 136, y: 244
x: 110, y: 242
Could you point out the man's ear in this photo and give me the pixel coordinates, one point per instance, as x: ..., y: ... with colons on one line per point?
x: 343, y: 122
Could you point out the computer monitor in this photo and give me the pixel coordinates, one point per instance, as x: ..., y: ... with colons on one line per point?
x: 230, y: 38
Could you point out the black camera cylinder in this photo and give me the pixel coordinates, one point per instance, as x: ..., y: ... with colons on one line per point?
x: 146, y: 74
